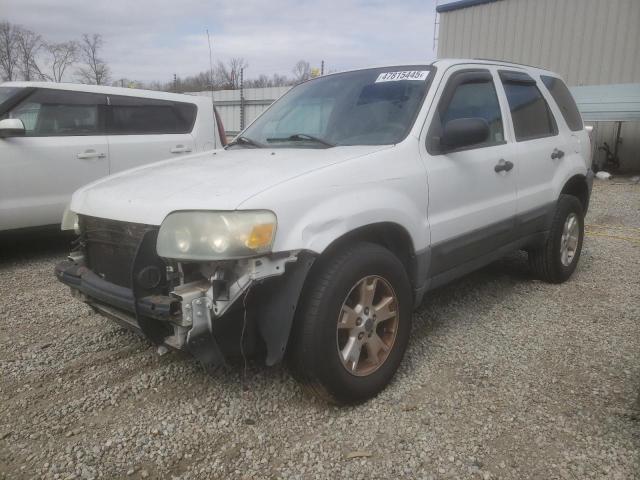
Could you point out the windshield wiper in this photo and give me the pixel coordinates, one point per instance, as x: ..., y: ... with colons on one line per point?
x: 242, y: 140
x: 301, y: 137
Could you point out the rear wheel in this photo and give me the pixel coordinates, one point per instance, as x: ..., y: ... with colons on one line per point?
x: 352, y: 325
x: 556, y: 261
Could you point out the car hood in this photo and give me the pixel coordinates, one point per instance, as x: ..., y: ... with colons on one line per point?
x: 214, y: 180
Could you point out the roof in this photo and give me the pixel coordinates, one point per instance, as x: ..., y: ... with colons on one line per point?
x: 608, y: 103
x: 448, y: 62
x: 80, y: 87
x: 451, y: 6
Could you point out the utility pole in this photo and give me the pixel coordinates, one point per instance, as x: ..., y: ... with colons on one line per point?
x: 242, y: 99
x: 175, y: 83
x: 322, y: 68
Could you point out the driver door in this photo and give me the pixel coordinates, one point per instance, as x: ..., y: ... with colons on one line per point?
x: 472, y: 204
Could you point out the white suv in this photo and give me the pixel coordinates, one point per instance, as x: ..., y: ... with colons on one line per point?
x: 317, y: 231
x: 55, y: 138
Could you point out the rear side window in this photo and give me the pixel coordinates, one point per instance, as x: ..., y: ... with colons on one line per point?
x: 51, y: 113
x: 565, y: 101
x: 140, y: 116
x: 468, y: 94
x: 530, y: 113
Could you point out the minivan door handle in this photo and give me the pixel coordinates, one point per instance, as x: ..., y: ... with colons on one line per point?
x: 503, y: 166
x: 180, y: 149
x: 557, y: 154
x: 88, y: 154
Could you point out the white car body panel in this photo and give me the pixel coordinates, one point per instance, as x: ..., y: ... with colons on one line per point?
x: 39, y: 174
x: 36, y: 179
x: 216, y: 180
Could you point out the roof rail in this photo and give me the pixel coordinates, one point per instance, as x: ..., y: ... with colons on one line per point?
x: 508, y: 61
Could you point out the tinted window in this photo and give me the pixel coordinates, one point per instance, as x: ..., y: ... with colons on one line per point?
x: 475, y: 97
x: 58, y: 112
x: 529, y: 110
x: 131, y: 115
x: 374, y: 106
x: 7, y: 92
x: 565, y: 101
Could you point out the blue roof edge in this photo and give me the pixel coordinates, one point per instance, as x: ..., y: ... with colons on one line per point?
x: 450, y: 7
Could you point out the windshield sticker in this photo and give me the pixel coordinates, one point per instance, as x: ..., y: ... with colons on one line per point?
x: 404, y: 75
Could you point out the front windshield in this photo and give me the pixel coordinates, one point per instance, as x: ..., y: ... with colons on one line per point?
x: 7, y: 92
x: 375, y: 106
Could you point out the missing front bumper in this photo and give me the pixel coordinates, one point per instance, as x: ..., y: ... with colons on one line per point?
x: 191, y: 319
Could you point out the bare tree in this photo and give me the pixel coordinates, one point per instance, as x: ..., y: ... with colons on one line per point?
x: 29, y: 45
x: 301, y: 71
x: 8, y: 52
x: 228, y: 76
x: 94, y: 71
x: 62, y: 56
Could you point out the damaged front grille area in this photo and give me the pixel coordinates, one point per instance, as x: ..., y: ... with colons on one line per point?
x: 110, y: 248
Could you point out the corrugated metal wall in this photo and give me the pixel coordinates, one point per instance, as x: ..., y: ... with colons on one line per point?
x: 588, y: 42
x: 256, y: 101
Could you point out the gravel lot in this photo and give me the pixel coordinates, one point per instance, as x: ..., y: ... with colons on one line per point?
x: 505, y: 377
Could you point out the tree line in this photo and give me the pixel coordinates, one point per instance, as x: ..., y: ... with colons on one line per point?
x: 25, y: 55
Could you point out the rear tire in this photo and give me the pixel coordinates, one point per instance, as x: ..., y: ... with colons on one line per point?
x: 335, y: 349
x: 557, y: 259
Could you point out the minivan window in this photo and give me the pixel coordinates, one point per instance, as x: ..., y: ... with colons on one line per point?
x: 145, y: 116
x: 530, y: 113
x: 7, y: 92
x: 565, y: 101
x: 474, y: 99
x: 49, y: 112
x: 375, y: 106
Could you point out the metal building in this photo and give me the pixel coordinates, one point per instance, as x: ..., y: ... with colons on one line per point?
x: 588, y: 42
x: 234, y: 110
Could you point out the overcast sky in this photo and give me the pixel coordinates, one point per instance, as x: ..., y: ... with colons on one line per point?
x: 150, y: 40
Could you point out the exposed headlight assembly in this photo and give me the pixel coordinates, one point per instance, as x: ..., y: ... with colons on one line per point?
x: 206, y: 235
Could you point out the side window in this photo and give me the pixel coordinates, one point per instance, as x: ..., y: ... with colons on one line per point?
x: 468, y: 94
x: 146, y: 116
x: 530, y: 113
x: 565, y: 101
x: 49, y: 112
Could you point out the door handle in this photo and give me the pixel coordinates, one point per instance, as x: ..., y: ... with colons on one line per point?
x: 87, y: 154
x: 180, y: 149
x: 557, y: 154
x: 503, y: 166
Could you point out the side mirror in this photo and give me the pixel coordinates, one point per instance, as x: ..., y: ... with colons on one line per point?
x: 11, y: 127
x: 463, y: 132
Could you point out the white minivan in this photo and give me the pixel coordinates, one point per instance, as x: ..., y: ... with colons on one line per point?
x: 55, y: 138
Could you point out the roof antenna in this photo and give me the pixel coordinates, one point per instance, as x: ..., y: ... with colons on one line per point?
x: 213, y: 107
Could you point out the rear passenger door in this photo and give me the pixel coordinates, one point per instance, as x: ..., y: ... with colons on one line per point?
x: 145, y: 130
x: 471, y: 202
x: 537, y: 143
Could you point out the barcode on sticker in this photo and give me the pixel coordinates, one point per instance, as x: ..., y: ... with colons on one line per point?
x: 404, y: 75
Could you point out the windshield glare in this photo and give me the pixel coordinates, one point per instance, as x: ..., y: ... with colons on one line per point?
x: 375, y: 106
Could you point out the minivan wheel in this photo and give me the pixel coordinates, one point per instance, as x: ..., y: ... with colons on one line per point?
x: 556, y: 261
x: 352, y: 325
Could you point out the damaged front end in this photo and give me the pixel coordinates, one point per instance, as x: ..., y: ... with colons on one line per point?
x: 213, y: 309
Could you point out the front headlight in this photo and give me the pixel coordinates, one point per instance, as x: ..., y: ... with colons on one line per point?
x: 204, y: 235
x: 70, y: 221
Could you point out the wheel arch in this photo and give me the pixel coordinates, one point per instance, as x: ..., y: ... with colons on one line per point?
x: 392, y: 236
x: 579, y: 188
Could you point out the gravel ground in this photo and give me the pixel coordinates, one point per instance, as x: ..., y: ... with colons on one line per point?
x: 505, y: 377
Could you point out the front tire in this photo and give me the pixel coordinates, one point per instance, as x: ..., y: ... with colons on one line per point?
x: 557, y: 259
x: 352, y: 325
